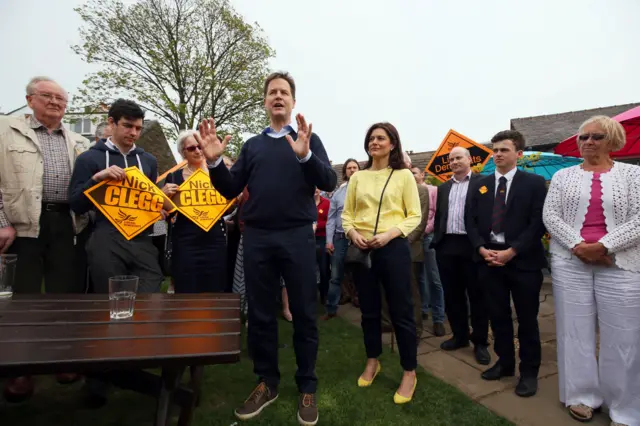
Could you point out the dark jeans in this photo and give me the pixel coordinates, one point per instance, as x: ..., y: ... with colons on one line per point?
x: 502, y: 284
x: 110, y: 254
x: 322, y: 261
x: 430, y: 285
x: 268, y: 255
x: 340, y: 244
x: 51, y: 256
x: 459, y: 275
x: 391, y: 267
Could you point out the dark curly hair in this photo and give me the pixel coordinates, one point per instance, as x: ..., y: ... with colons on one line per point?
x: 396, y: 161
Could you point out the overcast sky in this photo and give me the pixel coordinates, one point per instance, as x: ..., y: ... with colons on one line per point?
x: 424, y: 65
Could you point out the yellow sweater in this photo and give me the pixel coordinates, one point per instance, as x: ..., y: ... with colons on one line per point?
x: 400, y: 204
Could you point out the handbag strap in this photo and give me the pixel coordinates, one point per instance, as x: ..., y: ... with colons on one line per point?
x: 375, y: 230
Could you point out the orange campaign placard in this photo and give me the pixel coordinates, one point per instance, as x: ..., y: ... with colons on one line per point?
x: 132, y: 204
x: 439, y: 164
x: 198, y: 200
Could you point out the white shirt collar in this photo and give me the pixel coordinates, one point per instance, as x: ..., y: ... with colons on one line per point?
x: 468, y: 176
x: 509, y: 174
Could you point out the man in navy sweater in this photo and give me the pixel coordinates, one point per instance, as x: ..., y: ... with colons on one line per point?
x: 281, y: 168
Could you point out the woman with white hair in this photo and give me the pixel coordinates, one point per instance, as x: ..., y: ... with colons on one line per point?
x: 198, y: 257
x: 592, y: 213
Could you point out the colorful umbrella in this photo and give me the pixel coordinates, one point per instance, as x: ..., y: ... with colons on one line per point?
x: 630, y: 120
x: 544, y: 164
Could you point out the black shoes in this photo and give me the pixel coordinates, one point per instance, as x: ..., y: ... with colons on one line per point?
x: 497, y: 372
x: 527, y: 386
x: 453, y: 344
x: 481, y: 352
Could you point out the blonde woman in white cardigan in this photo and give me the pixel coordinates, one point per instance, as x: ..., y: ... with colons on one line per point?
x: 592, y: 213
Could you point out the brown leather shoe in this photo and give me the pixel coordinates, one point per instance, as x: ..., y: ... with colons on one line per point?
x: 307, y: 409
x: 18, y: 389
x: 438, y: 329
x: 67, y: 378
x: 327, y: 317
x: 261, y: 397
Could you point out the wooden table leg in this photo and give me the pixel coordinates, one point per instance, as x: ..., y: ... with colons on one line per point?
x: 169, y: 383
x: 195, y: 384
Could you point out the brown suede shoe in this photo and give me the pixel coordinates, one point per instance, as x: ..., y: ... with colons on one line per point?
x: 67, y: 378
x: 438, y: 329
x: 327, y: 317
x: 307, y: 409
x: 260, y: 398
x: 18, y: 389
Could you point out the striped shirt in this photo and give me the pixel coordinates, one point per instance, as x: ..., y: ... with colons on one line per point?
x: 457, y: 201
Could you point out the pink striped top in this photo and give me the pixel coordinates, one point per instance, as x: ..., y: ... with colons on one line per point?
x: 594, y: 226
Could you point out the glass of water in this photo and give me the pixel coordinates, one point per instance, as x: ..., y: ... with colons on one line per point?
x: 122, y: 296
x: 8, y: 264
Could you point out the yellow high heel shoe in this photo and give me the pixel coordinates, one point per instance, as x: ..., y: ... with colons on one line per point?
x: 399, y: 399
x: 366, y: 383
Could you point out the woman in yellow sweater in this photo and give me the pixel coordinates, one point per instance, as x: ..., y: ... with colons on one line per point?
x: 381, y: 208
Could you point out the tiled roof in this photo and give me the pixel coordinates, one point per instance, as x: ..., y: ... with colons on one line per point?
x: 549, y: 130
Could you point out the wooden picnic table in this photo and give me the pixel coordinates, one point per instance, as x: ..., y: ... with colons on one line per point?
x: 72, y: 333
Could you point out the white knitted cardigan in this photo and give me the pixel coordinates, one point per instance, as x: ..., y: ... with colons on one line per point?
x: 568, y: 200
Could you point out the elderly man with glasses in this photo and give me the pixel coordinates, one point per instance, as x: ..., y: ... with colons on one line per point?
x: 37, y: 155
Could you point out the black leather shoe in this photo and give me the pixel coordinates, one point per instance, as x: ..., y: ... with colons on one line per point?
x: 527, y: 386
x: 497, y: 372
x: 481, y: 352
x: 453, y: 344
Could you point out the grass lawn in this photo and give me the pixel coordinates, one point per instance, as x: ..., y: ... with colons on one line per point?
x: 340, y: 401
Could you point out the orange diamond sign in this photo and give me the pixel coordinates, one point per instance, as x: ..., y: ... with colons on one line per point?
x: 198, y: 200
x: 439, y: 164
x: 131, y: 205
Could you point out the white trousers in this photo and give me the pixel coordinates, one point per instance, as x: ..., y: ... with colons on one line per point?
x: 583, y: 295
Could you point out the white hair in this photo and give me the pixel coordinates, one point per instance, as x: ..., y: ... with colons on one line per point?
x: 182, y: 137
x: 615, y: 134
x: 100, y: 129
x: 31, y: 86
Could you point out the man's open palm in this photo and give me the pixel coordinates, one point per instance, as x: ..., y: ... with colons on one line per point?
x: 212, y: 147
x: 301, y: 146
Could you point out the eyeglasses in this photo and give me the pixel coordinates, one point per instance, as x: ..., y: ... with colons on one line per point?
x: 595, y: 136
x: 50, y: 98
x: 192, y: 148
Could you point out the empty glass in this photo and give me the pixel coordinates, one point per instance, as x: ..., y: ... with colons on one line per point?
x: 8, y: 264
x: 122, y: 296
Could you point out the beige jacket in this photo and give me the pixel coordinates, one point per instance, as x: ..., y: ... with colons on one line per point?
x: 21, y: 172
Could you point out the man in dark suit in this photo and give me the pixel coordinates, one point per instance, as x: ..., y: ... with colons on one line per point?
x: 454, y: 254
x: 504, y: 222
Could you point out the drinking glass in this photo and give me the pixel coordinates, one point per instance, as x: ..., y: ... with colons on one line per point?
x: 8, y: 264
x: 122, y: 296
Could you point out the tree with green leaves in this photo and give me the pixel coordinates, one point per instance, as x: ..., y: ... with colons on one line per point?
x: 182, y: 60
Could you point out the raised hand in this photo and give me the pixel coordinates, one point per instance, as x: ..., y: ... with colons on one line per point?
x: 301, y: 146
x: 212, y: 147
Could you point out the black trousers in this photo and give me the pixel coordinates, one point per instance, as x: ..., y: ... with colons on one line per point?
x: 502, y: 284
x: 459, y: 276
x: 51, y: 256
x: 110, y: 254
x: 323, y: 260
x: 391, y: 267
x: 268, y: 255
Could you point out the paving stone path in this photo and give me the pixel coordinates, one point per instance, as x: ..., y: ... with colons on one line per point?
x: 459, y: 369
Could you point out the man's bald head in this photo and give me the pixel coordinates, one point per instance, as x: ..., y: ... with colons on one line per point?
x: 460, y: 162
x: 460, y: 149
